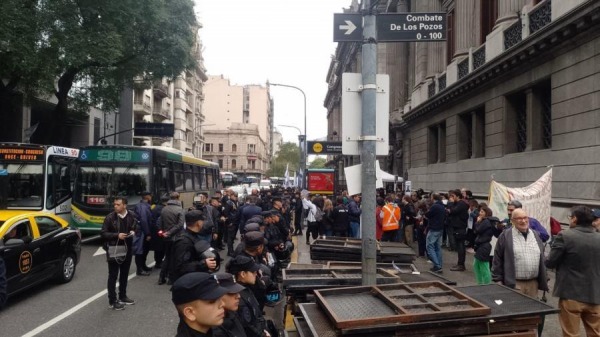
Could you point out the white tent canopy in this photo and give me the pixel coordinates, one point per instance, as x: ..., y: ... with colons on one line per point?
x: 387, y: 177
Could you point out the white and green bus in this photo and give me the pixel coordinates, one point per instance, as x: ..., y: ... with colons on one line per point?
x: 105, y: 172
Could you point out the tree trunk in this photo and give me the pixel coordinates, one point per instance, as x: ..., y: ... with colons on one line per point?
x: 9, y: 117
x: 57, y: 131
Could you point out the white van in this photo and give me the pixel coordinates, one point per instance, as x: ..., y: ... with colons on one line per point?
x: 265, y: 184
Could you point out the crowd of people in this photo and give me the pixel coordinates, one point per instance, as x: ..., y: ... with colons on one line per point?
x: 513, y: 251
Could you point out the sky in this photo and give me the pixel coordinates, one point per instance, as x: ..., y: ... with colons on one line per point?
x: 282, y: 41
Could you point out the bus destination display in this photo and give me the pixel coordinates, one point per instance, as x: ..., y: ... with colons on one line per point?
x: 21, y: 154
x: 109, y: 155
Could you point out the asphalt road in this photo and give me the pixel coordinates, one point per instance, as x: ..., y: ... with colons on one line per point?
x: 80, y: 308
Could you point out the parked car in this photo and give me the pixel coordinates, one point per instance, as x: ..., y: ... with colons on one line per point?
x: 38, y: 247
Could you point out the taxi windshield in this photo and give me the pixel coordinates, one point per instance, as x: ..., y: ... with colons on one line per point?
x: 98, y: 185
x: 21, y: 185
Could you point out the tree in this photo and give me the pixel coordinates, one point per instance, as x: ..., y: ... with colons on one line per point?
x: 289, y: 154
x: 319, y: 162
x: 84, y: 52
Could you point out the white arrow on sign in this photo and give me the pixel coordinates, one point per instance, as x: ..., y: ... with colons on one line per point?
x: 349, y: 27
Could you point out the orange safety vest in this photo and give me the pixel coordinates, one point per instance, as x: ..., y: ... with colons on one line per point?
x: 390, y: 217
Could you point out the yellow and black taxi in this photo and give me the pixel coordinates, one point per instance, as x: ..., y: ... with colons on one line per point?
x: 37, y: 247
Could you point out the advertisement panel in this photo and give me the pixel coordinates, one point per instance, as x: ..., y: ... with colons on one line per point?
x: 321, y: 182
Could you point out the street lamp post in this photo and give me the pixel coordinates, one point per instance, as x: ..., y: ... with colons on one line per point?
x: 303, y: 148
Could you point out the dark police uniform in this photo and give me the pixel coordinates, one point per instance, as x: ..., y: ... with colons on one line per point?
x: 185, y: 257
x: 191, y: 287
x: 232, y: 326
x: 249, y: 311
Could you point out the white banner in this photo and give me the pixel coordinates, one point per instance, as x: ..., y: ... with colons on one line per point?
x: 536, y: 199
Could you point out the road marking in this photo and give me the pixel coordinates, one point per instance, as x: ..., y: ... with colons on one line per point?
x: 100, y: 251
x: 73, y: 310
x: 91, y: 238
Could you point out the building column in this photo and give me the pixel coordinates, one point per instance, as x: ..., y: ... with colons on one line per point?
x: 467, y: 26
x: 421, y: 58
x: 508, y: 9
x: 436, y: 51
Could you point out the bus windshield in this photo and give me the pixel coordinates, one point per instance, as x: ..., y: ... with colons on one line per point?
x: 98, y: 185
x: 21, y: 185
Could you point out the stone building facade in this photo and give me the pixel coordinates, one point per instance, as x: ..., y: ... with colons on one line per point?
x: 238, y: 117
x: 514, y: 90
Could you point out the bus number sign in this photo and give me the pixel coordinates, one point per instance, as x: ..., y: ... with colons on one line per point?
x: 115, y: 155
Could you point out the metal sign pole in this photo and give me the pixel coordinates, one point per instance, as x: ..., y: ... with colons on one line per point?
x: 368, y: 141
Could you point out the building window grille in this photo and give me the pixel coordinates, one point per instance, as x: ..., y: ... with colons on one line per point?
x: 465, y: 136
x: 463, y: 68
x: 521, y: 128
x: 513, y: 34
x: 515, y: 122
x: 540, y: 16
x: 544, y: 99
x: 437, y: 143
x: 431, y: 89
x: 479, y: 57
x: 442, y: 82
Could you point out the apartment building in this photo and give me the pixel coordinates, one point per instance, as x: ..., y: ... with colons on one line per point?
x: 238, y: 129
x: 511, y: 92
x: 177, y: 101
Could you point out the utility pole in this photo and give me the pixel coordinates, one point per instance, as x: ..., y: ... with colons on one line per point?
x: 368, y: 141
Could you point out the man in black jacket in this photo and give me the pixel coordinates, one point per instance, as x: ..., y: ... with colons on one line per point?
x: 340, y: 215
x: 249, y: 210
x: 231, y: 214
x: 458, y: 216
x: 117, y: 230
x: 435, y: 219
x: 157, y: 240
x: 188, y: 248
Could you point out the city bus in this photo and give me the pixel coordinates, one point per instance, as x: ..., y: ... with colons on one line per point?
x: 35, y: 178
x: 105, y: 172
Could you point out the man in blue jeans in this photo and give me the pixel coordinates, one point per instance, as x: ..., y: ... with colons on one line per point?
x: 354, y: 212
x: 436, y: 218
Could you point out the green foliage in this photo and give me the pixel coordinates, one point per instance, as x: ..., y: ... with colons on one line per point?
x: 94, y: 48
x: 289, y: 153
x: 319, y: 162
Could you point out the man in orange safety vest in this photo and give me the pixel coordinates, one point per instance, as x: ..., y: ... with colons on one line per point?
x: 390, y: 220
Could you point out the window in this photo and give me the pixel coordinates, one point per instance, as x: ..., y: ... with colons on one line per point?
x: 471, y: 134
x: 251, y: 148
x: 233, y: 163
x: 46, y: 225
x: 19, y: 231
x: 450, y: 48
x: 199, y: 178
x: 489, y: 14
x: 220, y: 163
x: 542, y: 115
x: 208, y: 147
x: 178, y: 177
x: 59, y: 181
x: 436, y: 147
x: 97, y: 123
x: 515, y: 123
x: 189, y: 183
x: 234, y: 148
x: 220, y: 147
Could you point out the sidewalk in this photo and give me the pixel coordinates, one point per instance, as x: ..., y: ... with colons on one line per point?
x: 465, y: 278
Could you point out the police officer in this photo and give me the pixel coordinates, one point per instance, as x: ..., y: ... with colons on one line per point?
x: 188, y: 248
x: 171, y: 222
x: 198, y: 300
x: 245, y: 271
x: 232, y: 326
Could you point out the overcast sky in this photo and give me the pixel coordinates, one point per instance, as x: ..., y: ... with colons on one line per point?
x: 283, y: 41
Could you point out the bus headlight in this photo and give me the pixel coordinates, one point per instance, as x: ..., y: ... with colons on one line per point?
x: 77, y: 218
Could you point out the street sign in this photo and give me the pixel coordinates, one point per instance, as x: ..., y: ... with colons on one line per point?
x: 316, y: 147
x: 411, y: 27
x: 154, y: 129
x: 352, y: 114
x: 347, y: 27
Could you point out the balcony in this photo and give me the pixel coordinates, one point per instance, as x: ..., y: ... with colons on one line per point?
x: 142, y: 107
x: 161, y: 90
x: 161, y: 114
